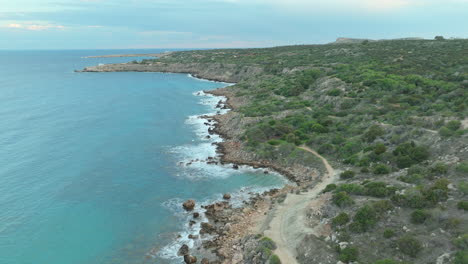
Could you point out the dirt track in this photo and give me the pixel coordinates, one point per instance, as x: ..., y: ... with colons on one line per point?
x: 288, y: 224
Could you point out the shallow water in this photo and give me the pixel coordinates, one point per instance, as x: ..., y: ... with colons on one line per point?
x: 89, y: 162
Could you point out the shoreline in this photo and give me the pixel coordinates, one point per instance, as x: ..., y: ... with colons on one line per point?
x: 130, y: 55
x: 228, y: 228
x: 210, y: 247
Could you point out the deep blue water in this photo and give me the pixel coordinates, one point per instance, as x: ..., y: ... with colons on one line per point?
x: 89, y: 162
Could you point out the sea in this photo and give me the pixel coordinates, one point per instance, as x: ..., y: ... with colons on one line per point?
x: 94, y: 167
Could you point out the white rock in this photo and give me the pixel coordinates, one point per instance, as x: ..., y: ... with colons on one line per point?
x: 343, y: 245
x: 444, y: 258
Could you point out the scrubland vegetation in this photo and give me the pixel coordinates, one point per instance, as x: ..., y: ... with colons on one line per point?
x: 391, y: 114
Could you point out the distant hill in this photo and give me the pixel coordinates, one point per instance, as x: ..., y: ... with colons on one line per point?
x: 357, y: 41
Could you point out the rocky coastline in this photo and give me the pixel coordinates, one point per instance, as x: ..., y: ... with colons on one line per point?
x: 230, y: 234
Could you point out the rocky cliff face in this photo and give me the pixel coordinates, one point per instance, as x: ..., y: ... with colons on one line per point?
x: 231, y: 73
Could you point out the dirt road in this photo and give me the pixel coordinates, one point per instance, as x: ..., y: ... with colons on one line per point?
x: 288, y: 224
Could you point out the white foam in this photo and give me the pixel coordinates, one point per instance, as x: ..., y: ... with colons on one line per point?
x: 238, y: 197
x: 192, y: 161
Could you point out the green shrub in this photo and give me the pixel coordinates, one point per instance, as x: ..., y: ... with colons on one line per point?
x: 388, y: 233
x: 341, y: 219
x: 409, y: 245
x: 349, y: 254
x: 462, y: 167
x: 439, y: 168
x: 373, y: 132
x: 364, y: 219
x: 453, y: 125
x: 347, y: 174
x: 419, y: 216
x: 409, y: 153
x: 351, y: 188
x: 413, y: 178
x: 382, y: 206
x: 461, y: 257
x: 342, y: 199
x: 274, y: 259
x: 365, y: 170
x: 378, y: 189
x: 334, y: 92
x: 380, y: 169
x: 463, y: 187
x: 413, y: 200
x: 268, y: 243
x: 462, y: 205
x: 330, y: 187
x: 437, y: 193
x: 445, y: 132
x: 274, y: 142
x: 417, y: 169
x: 380, y: 148
x: 461, y: 242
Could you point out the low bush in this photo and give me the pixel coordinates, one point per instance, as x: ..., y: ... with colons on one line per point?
x: 349, y: 254
x: 413, y: 178
x: 342, y: 199
x: 439, y: 168
x: 461, y: 257
x: 351, y: 188
x: 419, y: 216
x: 462, y: 167
x: 334, y: 92
x: 364, y: 219
x: 329, y: 188
x: 388, y: 233
x: 378, y: 189
x: 274, y: 259
x: 382, y: 206
x: 461, y: 242
x: 409, y: 245
x: 463, y: 187
x: 267, y: 242
x: 380, y: 148
x: 341, y: 219
x: 347, y: 175
x: 462, y: 205
x: 381, y: 169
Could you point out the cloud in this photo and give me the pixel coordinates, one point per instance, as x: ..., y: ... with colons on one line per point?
x: 33, y: 27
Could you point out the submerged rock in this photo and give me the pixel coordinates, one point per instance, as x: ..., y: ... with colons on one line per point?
x: 189, y: 205
x: 235, y: 166
x: 196, y: 215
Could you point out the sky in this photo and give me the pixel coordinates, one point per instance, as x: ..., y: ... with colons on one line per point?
x: 142, y: 24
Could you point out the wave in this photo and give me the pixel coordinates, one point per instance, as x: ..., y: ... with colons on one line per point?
x: 200, y: 160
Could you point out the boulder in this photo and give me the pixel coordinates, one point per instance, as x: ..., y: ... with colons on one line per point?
x: 196, y: 215
x: 183, y: 250
x: 226, y: 196
x: 205, y: 261
x: 190, y: 259
x: 235, y: 166
x: 207, y: 228
x: 189, y: 205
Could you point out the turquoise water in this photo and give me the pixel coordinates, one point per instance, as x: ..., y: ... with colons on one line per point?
x: 90, y: 162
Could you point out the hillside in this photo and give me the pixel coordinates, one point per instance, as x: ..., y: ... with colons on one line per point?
x: 391, y: 118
